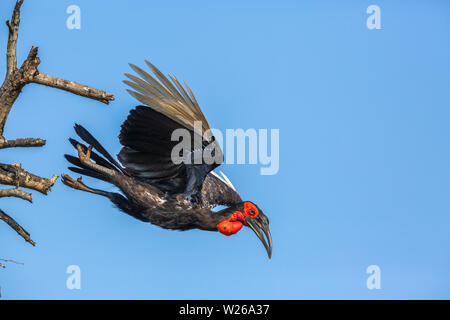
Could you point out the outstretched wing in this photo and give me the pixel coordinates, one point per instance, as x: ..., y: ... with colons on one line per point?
x: 147, y: 135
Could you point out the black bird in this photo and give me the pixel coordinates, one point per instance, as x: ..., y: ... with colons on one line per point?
x: 171, y: 189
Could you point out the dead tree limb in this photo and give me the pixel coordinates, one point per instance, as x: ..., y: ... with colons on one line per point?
x: 17, y: 227
x: 23, y: 142
x: 14, y: 175
x: 16, y: 192
x: 73, y: 87
x: 8, y: 260
x: 16, y: 78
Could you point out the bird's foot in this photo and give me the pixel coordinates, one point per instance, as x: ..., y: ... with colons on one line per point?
x: 85, y: 157
x: 84, y: 154
x: 75, y: 184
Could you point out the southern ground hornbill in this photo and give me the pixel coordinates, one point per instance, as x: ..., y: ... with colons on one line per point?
x: 172, y: 194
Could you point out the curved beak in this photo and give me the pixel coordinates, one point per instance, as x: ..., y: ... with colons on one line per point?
x: 260, y: 225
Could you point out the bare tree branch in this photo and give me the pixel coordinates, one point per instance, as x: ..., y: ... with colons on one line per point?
x: 13, y: 224
x: 23, y: 142
x: 13, y: 26
x: 14, y: 175
x: 16, y: 192
x: 16, y: 78
x: 8, y: 260
x: 73, y: 87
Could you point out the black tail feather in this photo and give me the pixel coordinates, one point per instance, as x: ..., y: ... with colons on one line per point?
x: 98, y: 159
x: 89, y: 139
x: 89, y: 173
x: 74, y: 160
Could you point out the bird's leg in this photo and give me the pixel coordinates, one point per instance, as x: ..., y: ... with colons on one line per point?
x: 119, y: 200
x: 85, y: 159
x: 79, y: 185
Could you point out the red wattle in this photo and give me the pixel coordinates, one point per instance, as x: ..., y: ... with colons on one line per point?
x: 228, y: 228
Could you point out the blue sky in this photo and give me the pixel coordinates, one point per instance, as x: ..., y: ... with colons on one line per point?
x: 364, y: 149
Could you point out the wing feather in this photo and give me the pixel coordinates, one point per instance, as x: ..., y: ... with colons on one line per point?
x: 146, y: 134
x: 167, y: 97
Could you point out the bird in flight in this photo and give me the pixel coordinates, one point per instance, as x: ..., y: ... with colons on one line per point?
x: 171, y: 187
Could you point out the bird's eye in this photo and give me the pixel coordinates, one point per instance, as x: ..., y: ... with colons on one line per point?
x: 250, y: 209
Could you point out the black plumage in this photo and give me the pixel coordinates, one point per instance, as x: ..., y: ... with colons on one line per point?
x: 154, y: 188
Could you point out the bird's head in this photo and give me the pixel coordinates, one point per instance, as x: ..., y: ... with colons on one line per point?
x: 247, y: 214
